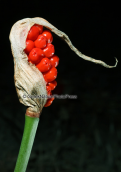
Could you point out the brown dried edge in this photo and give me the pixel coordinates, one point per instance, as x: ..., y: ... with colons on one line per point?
x: 32, y: 114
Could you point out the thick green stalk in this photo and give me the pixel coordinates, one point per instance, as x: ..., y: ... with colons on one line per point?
x: 27, y: 143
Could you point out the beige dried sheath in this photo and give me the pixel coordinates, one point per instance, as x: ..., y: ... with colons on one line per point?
x: 29, y: 81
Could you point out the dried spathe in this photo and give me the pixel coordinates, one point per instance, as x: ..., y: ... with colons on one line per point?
x: 29, y: 80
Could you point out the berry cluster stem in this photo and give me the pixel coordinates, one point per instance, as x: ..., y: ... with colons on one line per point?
x: 26, y: 143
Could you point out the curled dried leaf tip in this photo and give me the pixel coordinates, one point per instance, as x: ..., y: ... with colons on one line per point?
x: 29, y: 81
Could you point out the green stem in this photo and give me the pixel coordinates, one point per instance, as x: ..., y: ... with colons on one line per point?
x: 27, y: 143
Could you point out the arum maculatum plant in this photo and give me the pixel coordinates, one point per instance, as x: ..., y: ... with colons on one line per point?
x: 35, y: 72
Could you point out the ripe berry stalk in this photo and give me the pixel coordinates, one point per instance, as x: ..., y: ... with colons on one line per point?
x: 39, y: 48
x: 40, y: 51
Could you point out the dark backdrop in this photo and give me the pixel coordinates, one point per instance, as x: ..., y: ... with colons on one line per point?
x: 74, y: 135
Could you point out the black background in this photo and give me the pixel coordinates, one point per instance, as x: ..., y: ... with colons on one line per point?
x: 81, y: 135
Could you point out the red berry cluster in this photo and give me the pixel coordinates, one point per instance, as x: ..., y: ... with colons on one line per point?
x: 40, y: 52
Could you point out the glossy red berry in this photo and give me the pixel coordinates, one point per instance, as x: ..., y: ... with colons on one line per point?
x: 54, y: 61
x: 52, y: 84
x: 49, y: 102
x: 40, y: 42
x: 29, y: 46
x: 40, y: 27
x: 50, y: 75
x: 33, y: 33
x: 36, y: 55
x: 49, y: 50
x: 44, y: 65
x: 48, y: 88
x: 48, y: 35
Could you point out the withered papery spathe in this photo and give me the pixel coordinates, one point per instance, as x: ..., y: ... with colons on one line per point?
x: 29, y: 82
x: 28, y: 79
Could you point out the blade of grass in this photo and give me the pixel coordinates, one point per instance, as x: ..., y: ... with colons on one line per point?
x: 26, y: 143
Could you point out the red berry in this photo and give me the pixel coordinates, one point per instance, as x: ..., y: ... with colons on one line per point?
x: 49, y: 102
x: 40, y: 27
x: 44, y: 65
x: 33, y: 33
x: 29, y: 46
x: 40, y: 42
x: 48, y: 35
x: 54, y: 61
x: 49, y: 50
x: 36, y: 55
x: 52, y: 84
x: 48, y: 88
x: 50, y: 75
